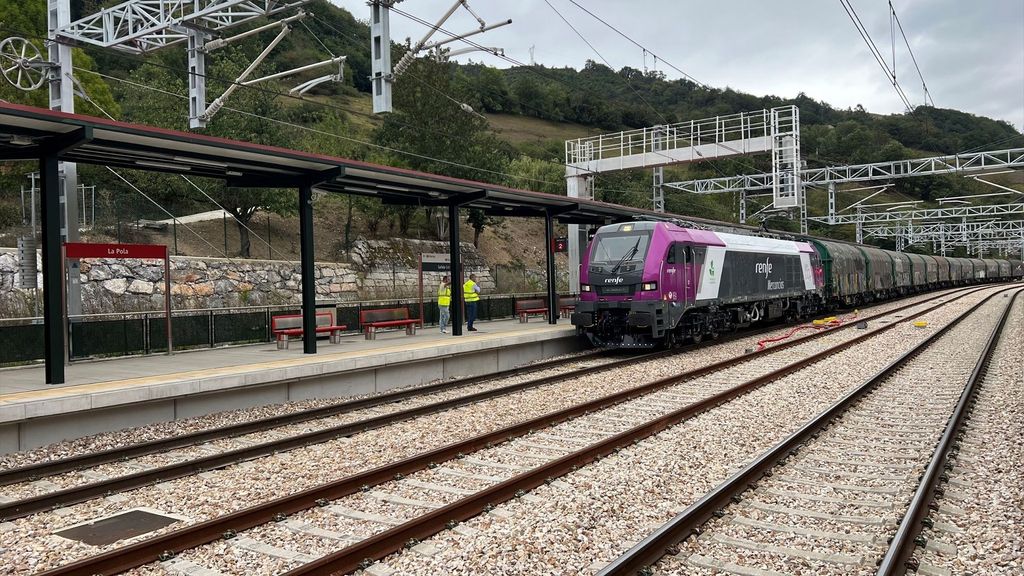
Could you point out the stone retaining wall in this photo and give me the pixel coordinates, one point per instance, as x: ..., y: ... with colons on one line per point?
x: 380, y: 269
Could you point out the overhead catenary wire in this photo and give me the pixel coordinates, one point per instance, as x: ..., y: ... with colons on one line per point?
x: 866, y: 36
x: 511, y: 60
x: 322, y: 132
x: 644, y: 100
x: 174, y: 218
x: 638, y: 45
x: 924, y: 85
x: 608, y: 64
x: 534, y: 69
x: 142, y: 61
x: 440, y: 29
x: 345, y: 138
x: 165, y: 211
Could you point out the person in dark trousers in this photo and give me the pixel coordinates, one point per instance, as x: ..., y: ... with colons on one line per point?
x: 471, y: 294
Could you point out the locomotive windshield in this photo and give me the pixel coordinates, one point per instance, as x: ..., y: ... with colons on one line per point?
x: 618, y: 248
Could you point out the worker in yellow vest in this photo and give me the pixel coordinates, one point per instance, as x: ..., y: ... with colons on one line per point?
x: 444, y: 298
x: 471, y: 294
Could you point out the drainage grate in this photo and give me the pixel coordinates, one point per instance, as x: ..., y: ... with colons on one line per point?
x: 119, y: 527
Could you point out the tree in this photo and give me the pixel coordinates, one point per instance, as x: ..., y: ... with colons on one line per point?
x: 441, y: 136
x: 534, y: 174
x: 479, y: 220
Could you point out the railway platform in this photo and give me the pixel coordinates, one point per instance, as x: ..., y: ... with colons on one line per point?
x: 111, y: 394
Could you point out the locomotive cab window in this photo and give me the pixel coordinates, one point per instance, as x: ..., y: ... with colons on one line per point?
x: 617, y: 247
x: 677, y: 254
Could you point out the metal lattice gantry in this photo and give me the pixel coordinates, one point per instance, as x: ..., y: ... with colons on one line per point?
x: 775, y: 131
x: 885, y: 217
x: 974, y: 165
x: 957, y: 163
x: 977, y: 236
x: 140, y: 26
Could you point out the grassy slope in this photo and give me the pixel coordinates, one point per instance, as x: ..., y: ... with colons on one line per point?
x: 515, y: 241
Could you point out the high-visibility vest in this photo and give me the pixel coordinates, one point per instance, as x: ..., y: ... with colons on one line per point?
x: 468, y: 292
x: 444, y: 295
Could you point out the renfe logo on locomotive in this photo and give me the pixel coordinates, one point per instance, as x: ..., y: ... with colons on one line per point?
x: 763, y: 268
x: 616, y: 280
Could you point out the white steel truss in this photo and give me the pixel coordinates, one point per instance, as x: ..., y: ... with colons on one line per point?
x: 951, y: 230
x: 775, y: 131
x: 144, y: 25
x: 786, y: 189
x: 969, y: 162
x: 141, y: 26
x: 867, y: 218
x: 718, y: 137
x: 978, y: 237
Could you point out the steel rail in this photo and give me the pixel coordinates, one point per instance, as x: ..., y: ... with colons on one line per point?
x: 688, y: 522
x: 361, y: 554
x: 76, y: 494
x: 44, y: 469
x: 40, y: 470
x: 166, y: 545
x: 898, y: 557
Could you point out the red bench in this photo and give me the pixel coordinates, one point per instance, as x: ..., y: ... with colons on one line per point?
x: 287, y: 325
x: 526, y: 308
x: 566, y: 305
x: 370, y: 320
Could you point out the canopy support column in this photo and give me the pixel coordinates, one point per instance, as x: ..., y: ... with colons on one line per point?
x: 306, y: 268
x: 455, y: 307
x: 53, y: 305
x: 549, y: 240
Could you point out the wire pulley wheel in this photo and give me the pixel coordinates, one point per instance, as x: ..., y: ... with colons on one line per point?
x: 22, y: 63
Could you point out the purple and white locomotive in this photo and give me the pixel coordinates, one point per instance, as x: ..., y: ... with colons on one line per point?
x: 648, y: 283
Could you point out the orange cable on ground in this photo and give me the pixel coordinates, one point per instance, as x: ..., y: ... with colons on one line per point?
x: 832, y: 323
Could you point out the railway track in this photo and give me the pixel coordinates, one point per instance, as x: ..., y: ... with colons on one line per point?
x: 455, y: 480
x: 847, y: 492
x: 973, y: 524
x: 35, y: 488
x: 365, y: 414
x: 44, y: 469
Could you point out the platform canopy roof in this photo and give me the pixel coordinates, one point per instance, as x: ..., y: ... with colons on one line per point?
x: 29, y: 133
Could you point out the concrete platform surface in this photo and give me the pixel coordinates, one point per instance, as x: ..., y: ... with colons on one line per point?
x: 100, y: 384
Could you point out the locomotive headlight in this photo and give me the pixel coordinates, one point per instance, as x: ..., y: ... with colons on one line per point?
x: 585, y: 288
x: 649, y: 286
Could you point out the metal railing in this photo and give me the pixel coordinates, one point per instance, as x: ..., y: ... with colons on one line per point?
x: 717, y: 130
x: 139, y: 333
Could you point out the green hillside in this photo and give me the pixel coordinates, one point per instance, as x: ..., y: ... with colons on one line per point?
x: 515, y: 137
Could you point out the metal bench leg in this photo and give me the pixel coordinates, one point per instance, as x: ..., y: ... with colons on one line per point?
x: 371, y: 333
x: 282, y: 341
x: 522, y: 318
x: 335, y: 337
x: 410, y: 329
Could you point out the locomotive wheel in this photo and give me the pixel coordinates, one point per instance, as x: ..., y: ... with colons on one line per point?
x: 697, y: 338
x: 714, y: 335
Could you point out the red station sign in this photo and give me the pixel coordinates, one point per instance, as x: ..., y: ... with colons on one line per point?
x: 77, y: 250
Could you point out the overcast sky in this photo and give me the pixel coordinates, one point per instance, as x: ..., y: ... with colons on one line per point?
x: 971, y: 53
